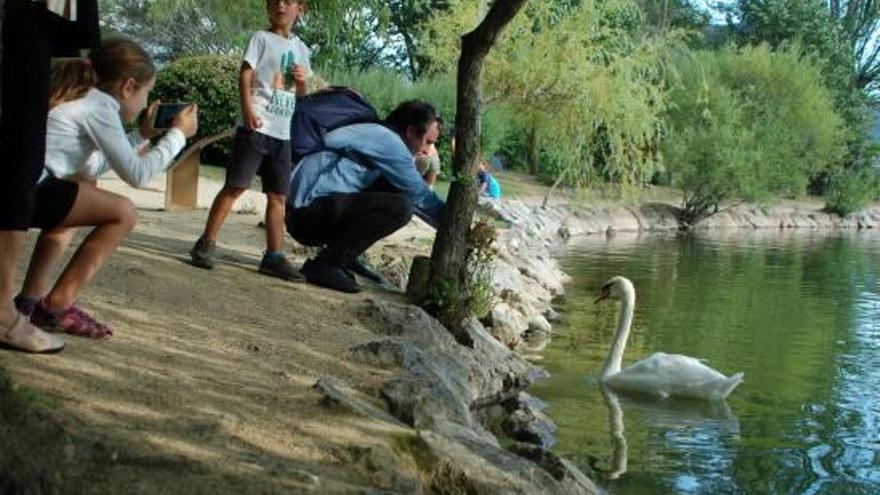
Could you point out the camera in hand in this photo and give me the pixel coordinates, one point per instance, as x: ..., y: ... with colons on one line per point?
x: 166, y: 113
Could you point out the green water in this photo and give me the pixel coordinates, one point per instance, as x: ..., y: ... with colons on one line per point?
x: 799, y: 313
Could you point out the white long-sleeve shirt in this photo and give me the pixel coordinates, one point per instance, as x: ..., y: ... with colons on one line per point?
x: 85, y: 139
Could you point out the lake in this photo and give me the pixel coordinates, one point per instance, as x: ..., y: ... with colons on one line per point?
x: 797, y: 311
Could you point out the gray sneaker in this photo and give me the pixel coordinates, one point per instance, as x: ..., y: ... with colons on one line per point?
x: 202, y: 253
x: 279, y: 268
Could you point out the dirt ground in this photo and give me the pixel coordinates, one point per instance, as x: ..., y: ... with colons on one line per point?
x: 206, y: 385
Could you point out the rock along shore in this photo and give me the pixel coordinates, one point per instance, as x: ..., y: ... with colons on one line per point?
x: 309, y: 391
x: 442, y: 387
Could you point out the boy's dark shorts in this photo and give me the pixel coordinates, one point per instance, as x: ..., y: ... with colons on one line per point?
x: 53, y: 200
x: 254, y: 152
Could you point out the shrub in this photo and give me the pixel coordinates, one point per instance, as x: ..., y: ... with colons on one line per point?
x: 745, y: 124
x: 849, y: 191
x: 211, y: 81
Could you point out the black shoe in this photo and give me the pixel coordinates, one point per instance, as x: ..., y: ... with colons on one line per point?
x: 203, y: 253
x: 279, y: 268
x: 320, y: 272
x: 360, y: 267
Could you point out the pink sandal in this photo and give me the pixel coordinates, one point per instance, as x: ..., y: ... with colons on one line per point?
x: 72, y: 320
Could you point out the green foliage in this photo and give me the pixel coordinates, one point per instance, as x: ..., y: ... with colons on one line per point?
x: 807, y: 24
x: 578, y: 77
x: 182, y: 28
x: 850, y: 190
x: 666, y: 14
x: 211, y: 81
x: 744, y: 124
x: 841, y: 36
x: 452, y: 299
x: 344, y: 34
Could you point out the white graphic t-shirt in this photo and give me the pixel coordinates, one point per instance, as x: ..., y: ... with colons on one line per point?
x: 273, y: 96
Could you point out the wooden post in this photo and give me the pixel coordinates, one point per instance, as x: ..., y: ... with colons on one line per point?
x: 182, y: 178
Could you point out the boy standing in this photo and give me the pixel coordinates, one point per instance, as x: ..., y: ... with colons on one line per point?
x: 273, y: 73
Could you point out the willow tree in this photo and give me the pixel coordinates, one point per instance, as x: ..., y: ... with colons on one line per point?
x: 353, y: 35
x: 584, y: 83
x: 449, y: 252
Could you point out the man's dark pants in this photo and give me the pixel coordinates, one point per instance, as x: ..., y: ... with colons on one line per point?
x: 348, y: 224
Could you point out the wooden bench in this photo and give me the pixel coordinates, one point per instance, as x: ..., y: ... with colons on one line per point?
x: 182, y: 178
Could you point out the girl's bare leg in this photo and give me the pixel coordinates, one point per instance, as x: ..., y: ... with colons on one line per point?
x: 113, y: 217
x: 15, y: 330
x: 48, y: 250
x: 11, y: 242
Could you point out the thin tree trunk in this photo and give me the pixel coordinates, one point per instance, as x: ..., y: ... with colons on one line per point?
x: 533, y: 151
x: 552, y: 189
x: 448, y: 255
x: 410, y: 45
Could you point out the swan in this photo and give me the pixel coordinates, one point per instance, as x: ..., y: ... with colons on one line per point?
x: 661, y: 374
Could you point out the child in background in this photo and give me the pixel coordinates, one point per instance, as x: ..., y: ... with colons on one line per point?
x: 273, y: 73
x: 489, y: 186
x: 85, y: 138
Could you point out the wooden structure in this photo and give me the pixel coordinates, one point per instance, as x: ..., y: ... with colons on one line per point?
x: 182, y: 178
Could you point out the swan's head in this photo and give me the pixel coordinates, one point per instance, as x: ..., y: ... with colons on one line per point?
x: 615, y: 288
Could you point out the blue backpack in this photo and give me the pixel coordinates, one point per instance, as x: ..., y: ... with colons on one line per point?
x: 320, y: 112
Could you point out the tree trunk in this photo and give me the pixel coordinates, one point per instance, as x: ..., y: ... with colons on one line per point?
x: 410, y: 45
x: 533, y: 151
x: 448, y: 255
x: 552, y: 189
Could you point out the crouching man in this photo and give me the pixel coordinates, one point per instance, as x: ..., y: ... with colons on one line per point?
x: 362, y: 188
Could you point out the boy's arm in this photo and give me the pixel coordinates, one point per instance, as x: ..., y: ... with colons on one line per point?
x: 299, y: 79
x: 245, y: 84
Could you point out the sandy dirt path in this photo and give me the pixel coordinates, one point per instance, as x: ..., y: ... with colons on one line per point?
x: 206, y: 385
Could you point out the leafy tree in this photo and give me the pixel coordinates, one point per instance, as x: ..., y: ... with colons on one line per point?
x: 580, y: 84
x: 780, y: 23
x: 745, y: 124
x: 175, y: 28
x: 449, y: 254
x: 667, y: 14
x: 843, y: 33
x: 358, y: 35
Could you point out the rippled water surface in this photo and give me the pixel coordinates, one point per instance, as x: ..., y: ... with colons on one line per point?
x: 798, y: 312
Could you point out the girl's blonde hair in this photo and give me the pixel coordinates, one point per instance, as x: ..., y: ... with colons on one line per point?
x: 117, y: 59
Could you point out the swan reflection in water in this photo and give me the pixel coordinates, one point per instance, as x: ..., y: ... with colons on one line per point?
x: 674, y: 414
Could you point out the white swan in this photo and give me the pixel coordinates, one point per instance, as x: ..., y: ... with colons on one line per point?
x: 660, y: 374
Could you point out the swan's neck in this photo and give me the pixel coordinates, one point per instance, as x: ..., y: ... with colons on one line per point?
x: 615, y: 357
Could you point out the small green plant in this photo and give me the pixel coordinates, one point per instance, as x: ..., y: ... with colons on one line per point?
x: 480, y: 254
x: 452, y: 300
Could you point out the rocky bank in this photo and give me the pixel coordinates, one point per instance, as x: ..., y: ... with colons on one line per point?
x: 310, y: 391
